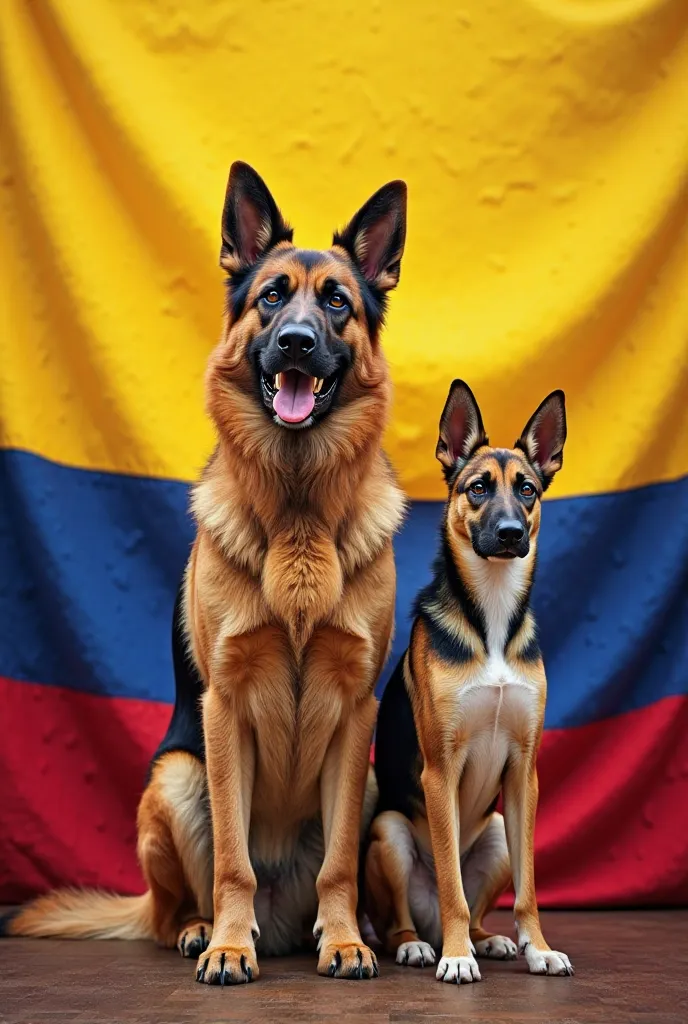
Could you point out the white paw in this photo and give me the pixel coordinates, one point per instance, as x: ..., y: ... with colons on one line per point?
x: 497, y: 947
x: 415, y: 954
x: 459, y: 970
x: 547, y: 961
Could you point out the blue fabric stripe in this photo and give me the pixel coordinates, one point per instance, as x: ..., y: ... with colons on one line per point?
x: 90, y: 564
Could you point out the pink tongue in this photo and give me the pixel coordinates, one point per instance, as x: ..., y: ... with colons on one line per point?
x: 294, y: 401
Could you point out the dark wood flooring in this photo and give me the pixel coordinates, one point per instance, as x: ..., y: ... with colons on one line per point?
x: 631, y: 967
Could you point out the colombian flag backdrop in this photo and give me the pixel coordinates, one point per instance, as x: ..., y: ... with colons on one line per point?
x: 545, y: 144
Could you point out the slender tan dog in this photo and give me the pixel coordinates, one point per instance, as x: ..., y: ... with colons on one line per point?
x: 461, y: 719
x: 288, y: 608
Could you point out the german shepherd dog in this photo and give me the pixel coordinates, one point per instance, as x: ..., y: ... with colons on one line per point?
x: 461, y: 719
x: 284, y: 619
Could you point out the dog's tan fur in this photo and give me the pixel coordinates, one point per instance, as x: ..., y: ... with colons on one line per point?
x: 289, y: 610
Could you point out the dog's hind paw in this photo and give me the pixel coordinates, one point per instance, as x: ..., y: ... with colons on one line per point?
x: 194, y: 939
x: 416, y: 954
x: 496, y: 947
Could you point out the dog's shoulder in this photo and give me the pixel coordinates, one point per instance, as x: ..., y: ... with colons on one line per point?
x: 377, y: 512
x: 220, y: 508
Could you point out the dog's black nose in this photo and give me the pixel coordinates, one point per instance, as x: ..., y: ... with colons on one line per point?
x: 510, y: 532
x: 296, y: 340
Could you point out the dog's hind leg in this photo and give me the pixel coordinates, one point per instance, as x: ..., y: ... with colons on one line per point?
x: 175, y: 851
x: 390, y: 860
x: 486, y: 873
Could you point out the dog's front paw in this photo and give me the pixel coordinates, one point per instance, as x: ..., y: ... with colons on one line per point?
x: 547, y: 961
x: 416, y: 954
x: 227, y: 965
x: 347, y: 960
x: 194, y: 939
x: 458, y: 970
x: 496, y: 947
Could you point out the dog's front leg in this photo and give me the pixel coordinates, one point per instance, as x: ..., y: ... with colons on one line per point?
x: 440, y: 785
x: 520, y: 805
x: 342, y: 786
x: 230, y: 755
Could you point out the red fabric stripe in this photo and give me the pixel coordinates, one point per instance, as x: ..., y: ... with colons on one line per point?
x: 611, y: 822
x: 72, y: 767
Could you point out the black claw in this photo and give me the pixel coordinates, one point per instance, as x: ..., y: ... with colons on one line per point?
x: 359, y: 971
x: 244, y: 969
x: 222, y: 969
x: 332, y: 969
x: 406, y: 957
x: 488, y: 948
x: 376, y: 969
x: 422, y: 959
x: 338, y: 959
x: 202, y: 931
x: 249, y: 972
x: 182, y: 944
x: 200, y: 973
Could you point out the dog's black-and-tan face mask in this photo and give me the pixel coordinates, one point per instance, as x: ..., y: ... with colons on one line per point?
x: 495, y: 493
x: 303, y: 318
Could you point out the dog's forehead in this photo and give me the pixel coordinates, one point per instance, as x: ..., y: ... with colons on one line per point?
x: 500, y: 464
x: 307, y: 268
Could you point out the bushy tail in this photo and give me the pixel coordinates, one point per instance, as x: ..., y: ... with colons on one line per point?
x: 82, y: 914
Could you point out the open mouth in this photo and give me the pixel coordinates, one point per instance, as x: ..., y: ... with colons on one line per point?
x: 503, y: 556
x: 295, y: 396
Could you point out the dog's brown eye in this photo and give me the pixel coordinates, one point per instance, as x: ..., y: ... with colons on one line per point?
x: 272, y: 297
x: 337, y: 301
x: 527, y: 490
x: 478, y: 488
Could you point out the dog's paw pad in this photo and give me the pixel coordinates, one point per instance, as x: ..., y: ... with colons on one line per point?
x: 416, y: 954
x: 458, y: 970
x: 496, y: 947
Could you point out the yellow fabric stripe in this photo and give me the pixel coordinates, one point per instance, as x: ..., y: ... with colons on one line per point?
x: 545, y: 143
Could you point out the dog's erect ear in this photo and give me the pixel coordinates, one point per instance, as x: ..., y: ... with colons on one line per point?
x: 461, y: 427
x: 251, y: 222
x: 374, y: 237
x: 543, y: 437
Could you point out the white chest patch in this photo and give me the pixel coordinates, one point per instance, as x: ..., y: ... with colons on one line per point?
x: 499, y: 586
x: 498, y: 705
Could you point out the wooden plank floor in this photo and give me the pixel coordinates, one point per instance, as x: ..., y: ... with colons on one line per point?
x: 630, y: 967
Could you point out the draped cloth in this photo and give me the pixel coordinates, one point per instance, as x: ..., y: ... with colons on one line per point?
x: 545, y: 145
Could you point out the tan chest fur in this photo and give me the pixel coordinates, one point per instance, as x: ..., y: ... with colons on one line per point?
x: 291, y: 621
